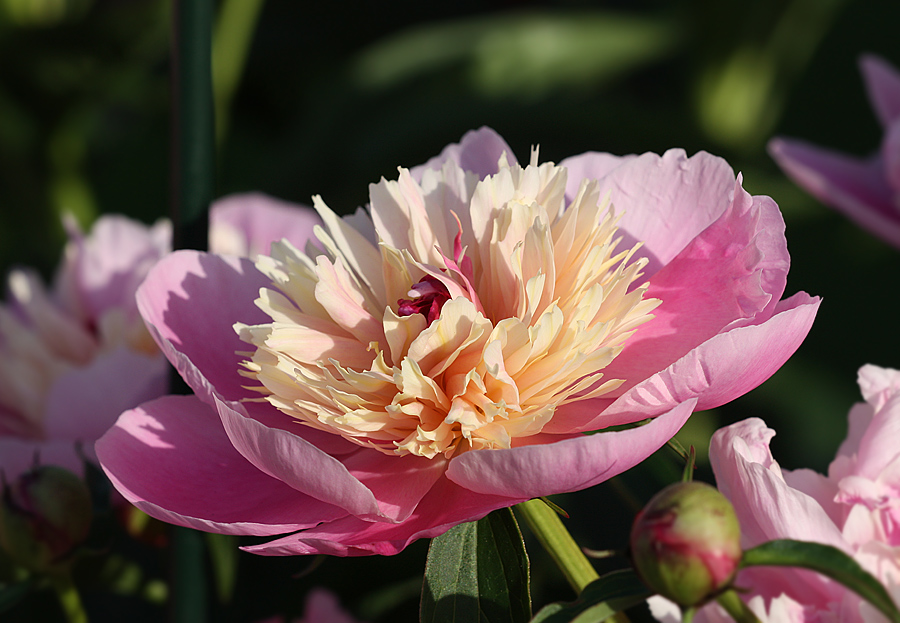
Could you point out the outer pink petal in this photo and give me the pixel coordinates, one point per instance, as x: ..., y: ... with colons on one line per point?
x: 287, y: 456
x: 665, y: 201
x: 478, y: 151
x: 84, y: 402
x: 18, y: 455
x: 591, y: 165
x: 247, y: 224
x: 883, y: 87
x: 731, y: 273
x: 445, y: 506
x: 172, y: 459
x: 569, y: 465
x: 718, y: 371
x: 857, y: 188
x: 190, y: 302
x: 767, y: 508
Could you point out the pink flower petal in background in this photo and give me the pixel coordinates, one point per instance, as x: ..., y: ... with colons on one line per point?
x: 853, y: 508
x: 445, y: 354
x: 867, y: 190
x: 74, y: 358
x: 246, y: 224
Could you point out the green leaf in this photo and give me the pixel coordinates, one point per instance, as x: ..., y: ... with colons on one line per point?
x: 828, y: 561
x: 12, y: 594
x: 477, y: 572
x: 600, y: 599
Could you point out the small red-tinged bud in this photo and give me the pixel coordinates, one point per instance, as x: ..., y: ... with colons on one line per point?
x: 44, y: 515
x: 686, y: 543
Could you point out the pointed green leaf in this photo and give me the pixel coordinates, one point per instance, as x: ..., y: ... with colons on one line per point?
x: 828, y: 561
x: 600, y: 599
x: 477, y: 573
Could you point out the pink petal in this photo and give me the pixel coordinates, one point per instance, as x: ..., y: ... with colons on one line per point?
x: 84, y: 402
x: 767, y: 508
x: 478, y: 151
x: 363, y: 482
x: 718, y: 371
x: 890, y: 154
x: 172, y: 459
x: 383, y: 474
x: 853, y: 186
x: 731, y: 273
x: 591, y: 165
x: 445, y: 506
x: 883, y: 87
x: 665, y: 201
x: 874, y: 381
x: 295, y: 461
x: 323, y: 607
x: 878, y: 446
x: 104, y: 269
x: 190, y: 302
x: 569, y: 465
x: 247, y: 224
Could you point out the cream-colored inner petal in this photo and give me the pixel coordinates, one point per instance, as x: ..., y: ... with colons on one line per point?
x: 549, y: 302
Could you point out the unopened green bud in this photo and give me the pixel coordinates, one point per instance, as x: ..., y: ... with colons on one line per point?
x: 45, y: 514
x: 686, y: 543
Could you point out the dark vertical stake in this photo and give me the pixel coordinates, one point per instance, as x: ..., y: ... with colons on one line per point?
x: 193, y: 122
x: 193, y: 179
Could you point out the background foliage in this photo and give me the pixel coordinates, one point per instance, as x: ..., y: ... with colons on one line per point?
x: 335, y: 95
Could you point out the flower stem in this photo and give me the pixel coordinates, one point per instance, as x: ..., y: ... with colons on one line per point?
x: 736, y: 607
x: 550, y: 531
x: 69, y: 598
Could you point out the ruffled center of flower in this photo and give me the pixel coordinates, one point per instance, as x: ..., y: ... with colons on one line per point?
x: 427, y: 297
x: 394, y: 344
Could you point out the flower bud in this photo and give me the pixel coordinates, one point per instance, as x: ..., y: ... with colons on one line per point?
x: 45, y: 514
x: 685, y: 544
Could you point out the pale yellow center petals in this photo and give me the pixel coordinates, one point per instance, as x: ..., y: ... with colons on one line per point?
x: 540, y: 302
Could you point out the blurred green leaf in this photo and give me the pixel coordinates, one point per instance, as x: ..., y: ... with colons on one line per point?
x: 601, y: 599
x: 524, y: 53
x: 828, y: 561
x: 478, y: 572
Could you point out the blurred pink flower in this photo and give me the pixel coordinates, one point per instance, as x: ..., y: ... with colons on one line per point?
x: 856, y: 508
x: 442, y: 353
x: 73, y: 358
x: 321, y: 607
x: 865, y: 189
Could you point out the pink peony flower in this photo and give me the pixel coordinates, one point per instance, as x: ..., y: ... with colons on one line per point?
x: 440, y: 354
x: 856, y: 508
x: 865, y: 189
x: 73, y: 358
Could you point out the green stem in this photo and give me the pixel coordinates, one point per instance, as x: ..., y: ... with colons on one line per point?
x: 550, y: 531
x: 547, y: 526
x: 69, y: 598
x: 233, y: 35
x: 736, y: 607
